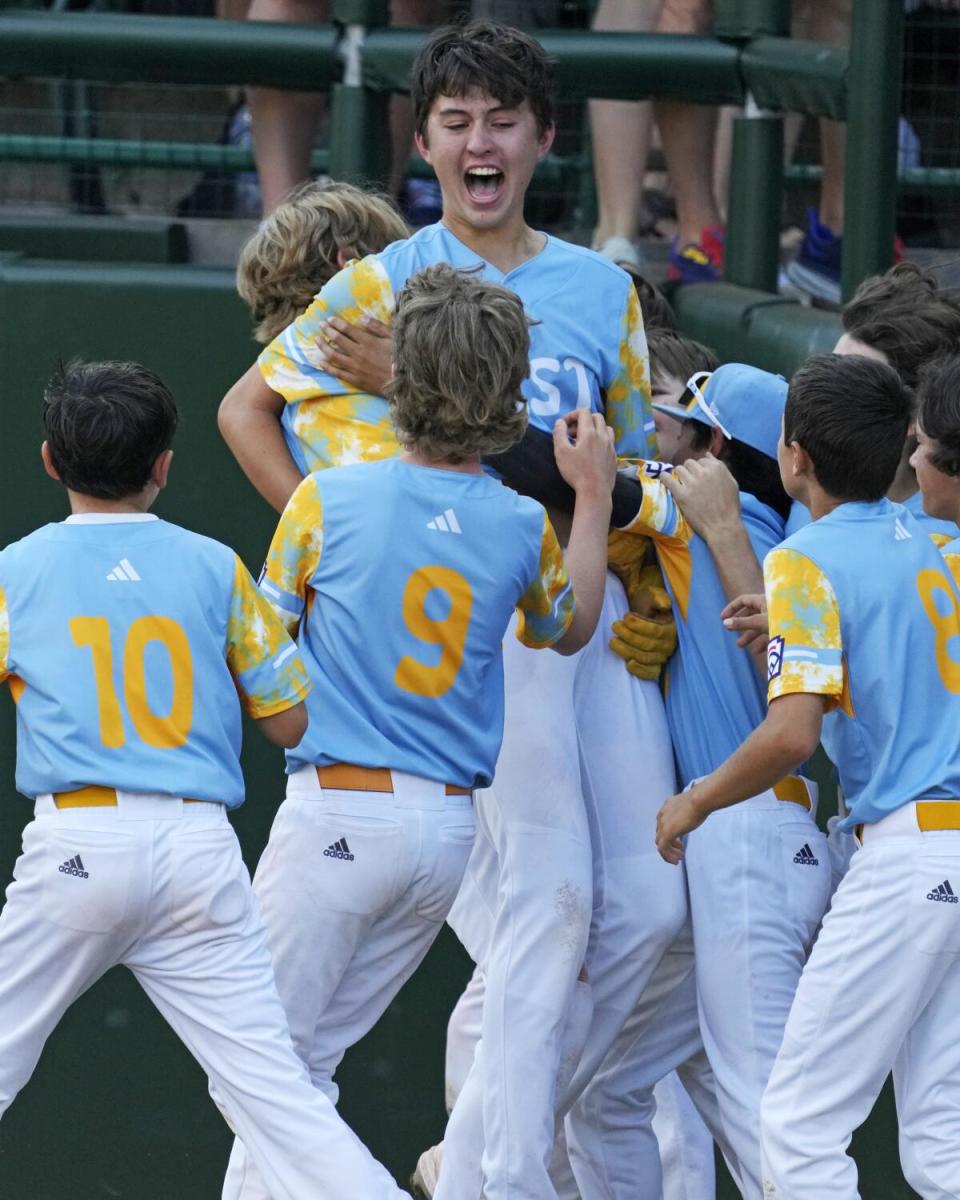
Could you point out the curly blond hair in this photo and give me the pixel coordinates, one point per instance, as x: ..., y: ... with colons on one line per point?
x: 294, y: 252
x: 461, y: 350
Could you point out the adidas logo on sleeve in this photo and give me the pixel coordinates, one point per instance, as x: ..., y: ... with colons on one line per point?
x: 339, y: 849
x: 806, y: 857
x: 74, y: 866
x: 944, y: 893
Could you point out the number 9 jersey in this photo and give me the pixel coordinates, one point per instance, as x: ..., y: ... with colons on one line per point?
x: 126, y: 641
x: 402, y: 580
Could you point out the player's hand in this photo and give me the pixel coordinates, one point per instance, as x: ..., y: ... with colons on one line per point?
x: 644, y: 643
x: 588, y: 462
x: 361, y: 356
x: 706, y: 493
x: 747, y: 616
x: 678, y: 816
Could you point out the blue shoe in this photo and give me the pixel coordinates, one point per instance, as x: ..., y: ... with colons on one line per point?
x: 817, y: 268
x: 698, y: 262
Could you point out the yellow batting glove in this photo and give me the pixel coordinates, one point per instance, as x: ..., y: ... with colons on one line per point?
x: 647, y: 635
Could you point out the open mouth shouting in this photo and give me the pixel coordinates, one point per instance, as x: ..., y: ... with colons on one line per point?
x: 484, y: 184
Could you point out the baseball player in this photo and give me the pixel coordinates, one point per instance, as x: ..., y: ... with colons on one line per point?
x: 126, y: 642
x: 861, y: 612
x: 385, y: 568
x: 758, y: 874
x: 481, y: 95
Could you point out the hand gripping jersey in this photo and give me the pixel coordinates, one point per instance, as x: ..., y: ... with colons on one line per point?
x: 587, y: 348
x: 402, y: 580
x: 714, y: 696
x: 863, y: 611
x: 126, y: 643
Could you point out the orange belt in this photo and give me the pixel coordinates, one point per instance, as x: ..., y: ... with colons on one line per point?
x: 348, y: 778
x: 94, y: 797
x: 937, y: 814
x: 792, y: 789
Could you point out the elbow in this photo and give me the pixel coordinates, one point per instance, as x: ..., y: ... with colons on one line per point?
x: 227, y: 414
x: 295, y: 727
x: 799, y: 743
x: 574, y: 639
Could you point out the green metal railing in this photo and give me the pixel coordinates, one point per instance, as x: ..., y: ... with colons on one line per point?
x: 753, y: 63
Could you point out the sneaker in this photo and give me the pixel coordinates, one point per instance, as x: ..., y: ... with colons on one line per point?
x: 621, y: 250
x: 423, y: 1182
x: 817, y: 268
x: 698, y: 262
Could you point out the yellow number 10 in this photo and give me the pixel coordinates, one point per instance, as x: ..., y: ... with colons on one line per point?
x: 449, y: 632
x: 945, y: 625
x: 165, y: 732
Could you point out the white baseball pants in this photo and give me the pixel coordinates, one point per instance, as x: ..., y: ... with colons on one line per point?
x: 524, y: 914
x: 880, y: 992
x: 759, y: 878
x: 354, y: 887
x: 159, y: 885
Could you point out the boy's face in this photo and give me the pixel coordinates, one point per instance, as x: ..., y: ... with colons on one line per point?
x: 940, y: 492
x: 484, y: 156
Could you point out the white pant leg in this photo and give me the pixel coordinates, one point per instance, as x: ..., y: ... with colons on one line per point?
x: 884, y: 952
x: 537, y: 826
x: 610, y: 1133
x: 686, y: 1147
x: 756, y: 904
x: 463, y: 1037
x: 346, y: 932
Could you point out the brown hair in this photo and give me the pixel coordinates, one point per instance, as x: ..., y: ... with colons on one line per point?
x: 294, y: 252
x: 938, y: 411
x: 461, y: 351
x: 907, y: 316
x: 672, y: 354
x: 495, y: 59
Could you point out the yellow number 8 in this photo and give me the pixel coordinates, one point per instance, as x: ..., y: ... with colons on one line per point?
x: 165, y: 732
x: 449, y: 632
x: 945, y: 625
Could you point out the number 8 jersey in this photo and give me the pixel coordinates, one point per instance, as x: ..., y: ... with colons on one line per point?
x: 402, y: 580
x: 126, y: 641
x: 863, y: 610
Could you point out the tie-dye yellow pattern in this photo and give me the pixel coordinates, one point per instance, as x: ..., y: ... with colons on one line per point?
x: 546, y: 608
x: 803, y: 610
x: 334, y: 425
x: 628, y: 405
x: 271, y: 679
x: 659, y: 514
x: 4, y: 637
x: 295, y: 550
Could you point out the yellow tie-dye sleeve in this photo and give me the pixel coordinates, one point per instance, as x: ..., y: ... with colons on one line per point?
x: 4, y: 637
x: 629, y: 406
x: 546, y: 608
x: 294, y: 554
x: 263, y: 660
x: 292, y: 363
x: 658, y: 516
x: 805, y: 651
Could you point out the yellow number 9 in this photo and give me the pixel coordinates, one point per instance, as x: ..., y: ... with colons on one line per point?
x: 945, y: 625
x: 449, y: 632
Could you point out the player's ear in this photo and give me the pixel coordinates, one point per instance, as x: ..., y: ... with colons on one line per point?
x: 161, y: 469
x: 717, y: 442
x: 47, y: 460
x: 420, y: 141
x: 344, y: 255
x: 802, y: 463
x: 545, y: 141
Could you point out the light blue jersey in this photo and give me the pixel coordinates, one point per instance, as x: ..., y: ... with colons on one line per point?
x: 587, y: 348
x: 863, y: 610
x: 940, y: 531
x: 402, y: 580
x: 715, y: 697
x: 125, y: 642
